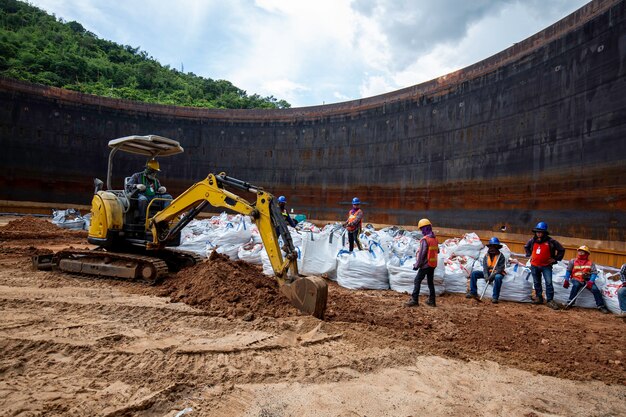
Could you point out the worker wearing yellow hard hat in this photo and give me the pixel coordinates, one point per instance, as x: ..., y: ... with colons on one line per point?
x: 144, y: 186
x: 583, y: 273
x: 425, y: 264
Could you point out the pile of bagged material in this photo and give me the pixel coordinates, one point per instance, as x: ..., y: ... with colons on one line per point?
x: 71, y: 219
x: 386, y: 261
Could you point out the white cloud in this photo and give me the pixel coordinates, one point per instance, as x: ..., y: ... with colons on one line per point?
x: 318, y: 52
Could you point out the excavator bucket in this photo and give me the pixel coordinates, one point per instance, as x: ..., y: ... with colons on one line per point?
x: 307, y: 294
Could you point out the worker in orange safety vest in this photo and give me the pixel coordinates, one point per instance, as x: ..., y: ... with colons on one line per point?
x: 353, y: 224
x: 425, y: 264
x: 583, y: 273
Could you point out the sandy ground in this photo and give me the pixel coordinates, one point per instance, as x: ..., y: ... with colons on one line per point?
x: 71, y: 346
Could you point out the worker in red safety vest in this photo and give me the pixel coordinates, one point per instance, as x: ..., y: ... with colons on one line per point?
x: 425, y: 264
x: 543, y: 252
x: 583, y: 273
x: 353, y: 224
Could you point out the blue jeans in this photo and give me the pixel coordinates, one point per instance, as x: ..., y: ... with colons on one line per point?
x: 142, y: 202
x: 546, y: 271
x: 621, y: 297
x: 577, y: 285
x: 497, y: 283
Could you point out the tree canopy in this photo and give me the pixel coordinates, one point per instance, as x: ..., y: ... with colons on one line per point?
x: 38, y: 47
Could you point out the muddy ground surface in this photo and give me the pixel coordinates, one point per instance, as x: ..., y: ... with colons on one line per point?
x: 218, y: 340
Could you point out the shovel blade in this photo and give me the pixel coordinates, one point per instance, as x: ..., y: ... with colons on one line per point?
x: 307, y: 294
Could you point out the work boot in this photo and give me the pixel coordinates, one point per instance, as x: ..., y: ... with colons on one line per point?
x: 494, y: 301
x: 603, y: 310
x: 538, y: 300
x: 412, y: 303
x: 431, y: 302
x: 553, y: 305
x: 469, y: 295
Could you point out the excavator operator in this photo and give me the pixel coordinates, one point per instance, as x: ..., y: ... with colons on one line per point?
x: 145, y: 186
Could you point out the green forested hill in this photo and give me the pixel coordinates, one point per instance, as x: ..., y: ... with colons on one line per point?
x: 37, y: 47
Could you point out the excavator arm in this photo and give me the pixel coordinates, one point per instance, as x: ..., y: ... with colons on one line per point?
x: 308, y: 294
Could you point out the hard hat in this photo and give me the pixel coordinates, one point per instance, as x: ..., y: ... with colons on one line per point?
x: 282, y: 199
x: 153, y: 164
x: 541, y: 227
x: 356, y: 200
x: 422, y: 223
x: 494, y: 241
x: 584, y: 248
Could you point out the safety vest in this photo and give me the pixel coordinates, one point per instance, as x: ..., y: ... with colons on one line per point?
x: 541, y: 254
x: 151, y: 186
x: 581, y: 266
x: 352, y: 217
x: 491, y: 263
x: 433, y: 250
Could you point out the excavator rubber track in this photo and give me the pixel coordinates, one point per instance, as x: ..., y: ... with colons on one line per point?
x: 128, y: 267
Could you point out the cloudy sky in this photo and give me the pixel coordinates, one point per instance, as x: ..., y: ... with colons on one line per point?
x: 312, y: 52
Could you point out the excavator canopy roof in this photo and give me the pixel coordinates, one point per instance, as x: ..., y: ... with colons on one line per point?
x: 150, y: 145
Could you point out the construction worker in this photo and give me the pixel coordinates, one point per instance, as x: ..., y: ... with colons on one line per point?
x: 621, y: 292
x: 425, y: 264
x: 494, y: 264
x: 353, y: 224
x: 282, y: 203
x: 583, y: 274
x: 543, y: 252
x: 145, y: 186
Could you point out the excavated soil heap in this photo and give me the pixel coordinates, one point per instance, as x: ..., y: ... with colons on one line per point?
x: 228, y: 289
x: 33, y: 228
x: 579, y: 344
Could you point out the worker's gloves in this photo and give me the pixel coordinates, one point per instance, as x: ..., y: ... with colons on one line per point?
x: 161, y: 190
x: 589, y: 285
x: 140, y: 187
x: 566, y: 283
x: 415, y: 268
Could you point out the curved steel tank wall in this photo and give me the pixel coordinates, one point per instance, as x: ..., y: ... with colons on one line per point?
x: 536, y: 132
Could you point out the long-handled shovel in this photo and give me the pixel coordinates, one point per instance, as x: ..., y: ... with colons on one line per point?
x: 491, y: 277
x: 573, y: 300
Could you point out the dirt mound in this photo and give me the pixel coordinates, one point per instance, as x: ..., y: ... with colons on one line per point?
x: 579, y: 344
x: 228, y: 289
x: 29, y: 227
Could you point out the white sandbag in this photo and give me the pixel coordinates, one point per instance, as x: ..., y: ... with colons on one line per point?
x: 561, y: 295
x: 470, y: 246
x: 402, y: 277
x: 320, y: 252
x: 363, y: 269
x: 230, y: 250
x: 455, y: 278
x: 251, y: 253
x: 517, y: 285
x: 404, y: 245
x: 609, y: 294
x: 68, y: 219
x: 197, y: 244
x: 231, y: 233
x: 267, y: 265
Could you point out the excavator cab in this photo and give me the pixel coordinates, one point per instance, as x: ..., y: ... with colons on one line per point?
x: 117, y: 210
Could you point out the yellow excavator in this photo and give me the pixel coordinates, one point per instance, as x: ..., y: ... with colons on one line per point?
x: 140, y: 246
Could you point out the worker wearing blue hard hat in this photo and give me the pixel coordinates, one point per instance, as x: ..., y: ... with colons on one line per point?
x: 493, y: 272
x: 353, y: 224
x: 543, y: 252
x: 282, y: 205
